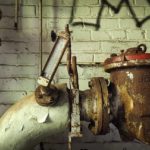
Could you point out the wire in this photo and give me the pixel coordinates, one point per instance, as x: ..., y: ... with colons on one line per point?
x: 41, y: 37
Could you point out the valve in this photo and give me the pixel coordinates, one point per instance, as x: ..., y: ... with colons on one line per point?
x: 47, y: 94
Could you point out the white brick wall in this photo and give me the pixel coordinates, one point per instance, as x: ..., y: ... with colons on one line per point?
x: 19, y: 52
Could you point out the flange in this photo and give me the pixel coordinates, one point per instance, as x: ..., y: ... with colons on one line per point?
x: 100, y: 110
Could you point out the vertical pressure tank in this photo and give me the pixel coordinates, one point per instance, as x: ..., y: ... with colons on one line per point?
x: 130, y: 86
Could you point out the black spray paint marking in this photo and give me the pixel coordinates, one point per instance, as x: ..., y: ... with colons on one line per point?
x: 116, y: 10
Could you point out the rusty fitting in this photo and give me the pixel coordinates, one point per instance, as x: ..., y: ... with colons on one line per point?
x: 140, y: 49
x: 46, y: 96
x: 95, y: 106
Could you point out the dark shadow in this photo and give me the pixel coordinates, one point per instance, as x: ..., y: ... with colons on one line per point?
x: 41, y: 146
x: 55, y: 12
x: 0, y: 14
x: 115, y: 9
x: 148, y: 1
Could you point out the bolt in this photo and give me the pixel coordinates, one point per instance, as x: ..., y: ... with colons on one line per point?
x: 51, y: 100
x: 122, y: 51
x: 113, y: 55
x: 40, y: 96
x: 90, y: 84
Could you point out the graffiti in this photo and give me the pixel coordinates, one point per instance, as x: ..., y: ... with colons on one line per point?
x: 116, y: 10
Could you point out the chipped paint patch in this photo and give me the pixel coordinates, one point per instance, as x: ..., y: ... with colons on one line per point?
x: 130, y: 75
x: 21, y: 128
x: 43, y: 118
x: 7, y: 127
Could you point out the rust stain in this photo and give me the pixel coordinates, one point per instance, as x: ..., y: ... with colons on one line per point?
x: 130, y: 76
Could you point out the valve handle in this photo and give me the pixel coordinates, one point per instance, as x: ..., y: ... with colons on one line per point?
x: 142, y: 47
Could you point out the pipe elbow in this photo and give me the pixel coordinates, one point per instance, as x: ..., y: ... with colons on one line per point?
x: 26, y: 123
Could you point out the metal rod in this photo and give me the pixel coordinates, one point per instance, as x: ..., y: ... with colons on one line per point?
x: 75, y: 72
x: 0, y: 14
x: 41, y: 37
x: 16, y: 14
x: 0, y: 42
x: 69, y: 52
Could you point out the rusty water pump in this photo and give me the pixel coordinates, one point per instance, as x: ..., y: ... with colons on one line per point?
x: 130, y: 90
x: 124, y: 101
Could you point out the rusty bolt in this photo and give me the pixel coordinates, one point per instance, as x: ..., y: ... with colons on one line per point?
x: 113, y: 55
x: 46, y: 96
x: 90, y: 84
x: 40, y: 96
x: 122, y: 51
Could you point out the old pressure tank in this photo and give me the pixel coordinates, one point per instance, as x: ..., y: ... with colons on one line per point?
x: 130, y: 87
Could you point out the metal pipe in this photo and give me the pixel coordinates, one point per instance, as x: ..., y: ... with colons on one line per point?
x: 41, y: 34
x: 16, y: 14
x: 26, y: 123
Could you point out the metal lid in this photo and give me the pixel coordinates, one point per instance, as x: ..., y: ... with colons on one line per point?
x: 130, y: 57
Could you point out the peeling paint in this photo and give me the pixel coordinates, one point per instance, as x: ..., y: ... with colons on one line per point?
x: 7, y: 127
x: 24, y: 121
x: 130, y: 75
x: 43, y: 118
x: 21, y: 128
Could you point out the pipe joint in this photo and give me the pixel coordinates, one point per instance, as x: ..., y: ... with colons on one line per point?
x: 46, y: 96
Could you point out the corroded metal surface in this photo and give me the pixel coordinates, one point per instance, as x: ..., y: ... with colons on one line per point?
x: 75, y: 121
x: 75, y: 126
x: 133, y: 90
x: 97, y: 112
x: 46, y: 96
x: 135, y: 56
x: 95, y: 106
x: 75, y: 115
x: 126, y: 64
x: 130, y: 87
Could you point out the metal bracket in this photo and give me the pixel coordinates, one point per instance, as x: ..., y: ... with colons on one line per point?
x: 75, y: 124
x: 75, y: 113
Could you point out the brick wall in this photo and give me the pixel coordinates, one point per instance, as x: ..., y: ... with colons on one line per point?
x: 20, y: 49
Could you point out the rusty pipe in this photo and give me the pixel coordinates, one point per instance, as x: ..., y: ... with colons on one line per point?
x: 16, y: 14
x: 130, y: 86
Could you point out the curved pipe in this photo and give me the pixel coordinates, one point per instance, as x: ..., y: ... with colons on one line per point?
x: 26, y: 123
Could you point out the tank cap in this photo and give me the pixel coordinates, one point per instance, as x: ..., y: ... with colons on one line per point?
x: 134, y: 53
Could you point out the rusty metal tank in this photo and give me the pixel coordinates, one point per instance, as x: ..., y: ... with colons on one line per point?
x: 130, y: 87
